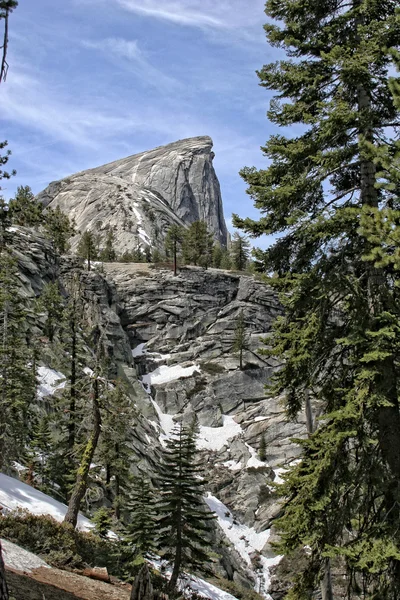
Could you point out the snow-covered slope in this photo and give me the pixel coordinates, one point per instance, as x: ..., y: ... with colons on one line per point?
x: 14, y: 494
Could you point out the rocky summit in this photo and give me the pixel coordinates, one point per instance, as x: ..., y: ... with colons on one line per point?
x: 140, y: 196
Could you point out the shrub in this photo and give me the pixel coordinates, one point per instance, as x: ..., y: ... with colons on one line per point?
x: 212, y: 368
x: 59, y: 544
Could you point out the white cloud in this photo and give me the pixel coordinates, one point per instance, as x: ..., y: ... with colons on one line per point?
x: 223, y: 14
x: 134, y: 59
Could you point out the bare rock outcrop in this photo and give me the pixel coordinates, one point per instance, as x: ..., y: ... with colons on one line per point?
x: 140, y: 196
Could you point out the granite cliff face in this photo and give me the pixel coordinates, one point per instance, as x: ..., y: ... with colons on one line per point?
x: 139, y: 197
x: 171, y: 339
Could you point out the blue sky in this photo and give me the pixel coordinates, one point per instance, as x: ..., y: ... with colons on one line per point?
x: 92, y: 81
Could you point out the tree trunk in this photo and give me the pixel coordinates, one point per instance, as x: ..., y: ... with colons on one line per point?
x: 3, y: 581
x: 3, y: 68
x: 309, y: 415
x: 142, y: 588
x: 326, y: 583
x: 175, y: 262
x: 83, y: 472
x: 72, y: 401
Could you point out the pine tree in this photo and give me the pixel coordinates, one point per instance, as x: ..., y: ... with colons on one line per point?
x: 102, y: 521
x: 240, y: 251
x: 196, y: 244
x: 142, y: 527
x: 182, y: 517
x: 88, y: 247
x: 262, y: 452
x: 226, y: 262
x: 25, y: 209
x: 241, y: 337
x: 108, y: 253
x: 58, y: 228
x: 173, y: 241
x: 52, y: 302
x: 5, y: 223
x: 18, y: 376
x: 115, y: 452
x: 325, y: 201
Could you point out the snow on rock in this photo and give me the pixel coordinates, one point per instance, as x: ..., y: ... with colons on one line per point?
x: 49, y: 381
x: 139, y: 350
x: 14, y: 494
x: 19, y: 559
x: 246, y: 541
x: 205, y: 589
x: 232, y: 465
x: 167, y: 422
x: 278, y: 473
x: 254, y: 461
x: 215, y: 438
x: 164, y: 374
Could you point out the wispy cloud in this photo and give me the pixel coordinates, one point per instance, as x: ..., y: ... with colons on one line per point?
x: 223, y: 14
x: 129, y: 55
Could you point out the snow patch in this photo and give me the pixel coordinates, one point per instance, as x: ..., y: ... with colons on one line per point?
x: 139, y: 350
x: 233, y: 465
x: 167, y: 422
x: 50, y: 381
x: 165, y: 374
x: 246, y: 541
x: 215, y: 438
x: 14, y: 494
x: 254, y: 461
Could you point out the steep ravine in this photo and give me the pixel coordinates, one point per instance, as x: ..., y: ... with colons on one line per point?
x: 171, y: 339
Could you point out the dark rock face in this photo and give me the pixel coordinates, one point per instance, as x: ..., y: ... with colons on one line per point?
x: 139, y: 197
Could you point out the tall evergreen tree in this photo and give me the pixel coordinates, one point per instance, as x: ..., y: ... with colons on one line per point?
x: 142, y: 527
x: 240, y: 251
x: 339, y: 337
x: 58, y: 228
x: 6, y: 8
x: 108, y: 253
x: 183, y: 518
x: 173, y: 241
x: 52, y: 302
x: 88, y: 247
x: 196, y: 244
x: 241, y: 337
x: 25, y: 209
x: 18, y: 376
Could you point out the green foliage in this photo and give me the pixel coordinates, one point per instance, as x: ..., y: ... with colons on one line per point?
x: 58, y: 544
x: 102, y: 521
x: 212, y: 368
x: 108, y: 253
x: 198, y: 245
x: 142, y: 526
x: 52, y: 302
x: 330, y: 196
x: 235, y: 589
x: 240, y: 251
x: 25, y: 209
x: 58, y: 228
x: 17, y: 365
x: 4, y: 158
x: 183, y: 519
x: 262, y: 451
x: 241, y: 337
x: 88, y: 247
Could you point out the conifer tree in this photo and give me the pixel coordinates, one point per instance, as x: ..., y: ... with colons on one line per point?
x: 88, y: 247
x: 115, y: 451
x: 183, y: 519
x: 241, y: 337
x: 18, y: 376
x: 58, y: 228
x: 142, y: 527
x: 197, y: 244
x: 324, y: 199
x: 51, y: 301
x: 108, y: 253
x: 173, y: 241
x: 240, y: 251
x: 25, y: 209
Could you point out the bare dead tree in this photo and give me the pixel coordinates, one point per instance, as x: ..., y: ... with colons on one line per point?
x: 6, y: 8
